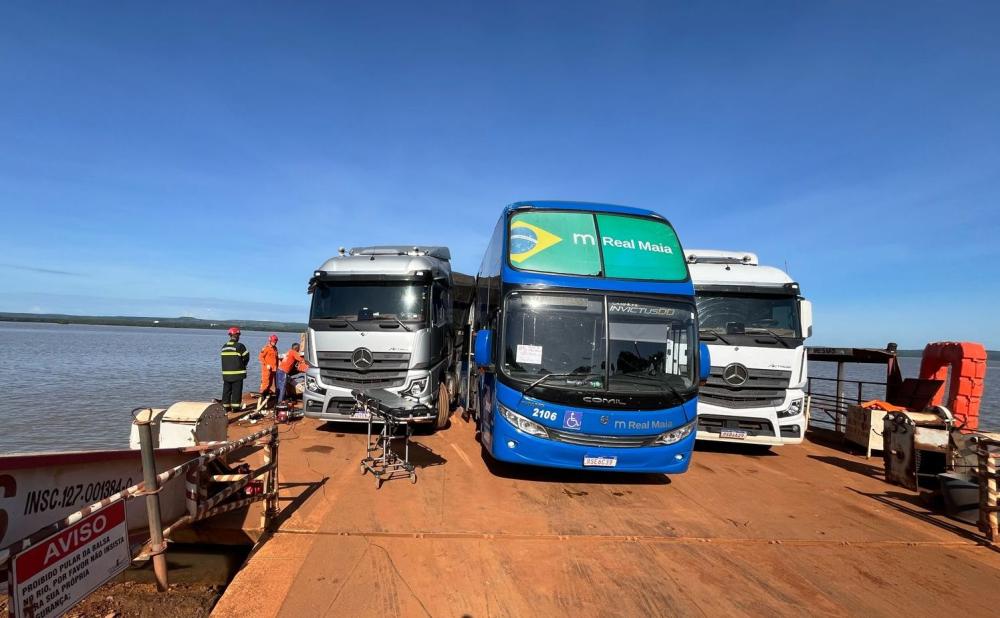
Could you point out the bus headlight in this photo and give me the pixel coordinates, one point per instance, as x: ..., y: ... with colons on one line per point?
x: 794, y: 409
x: 675, y: 435
x: 529, y: 427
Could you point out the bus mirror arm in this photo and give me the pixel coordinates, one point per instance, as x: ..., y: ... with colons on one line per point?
x: 484, y: 349
x: 705, y: 364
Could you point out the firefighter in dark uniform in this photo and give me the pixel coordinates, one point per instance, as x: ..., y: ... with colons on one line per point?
x: 235, y: 358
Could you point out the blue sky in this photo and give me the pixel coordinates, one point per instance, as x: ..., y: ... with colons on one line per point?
x: 202, y: 160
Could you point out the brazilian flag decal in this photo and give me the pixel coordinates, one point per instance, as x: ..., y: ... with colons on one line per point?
x: 567, y: 243
x: 527, y: 240
x: 555, y: 242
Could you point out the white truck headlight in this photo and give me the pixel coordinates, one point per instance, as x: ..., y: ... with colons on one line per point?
x: 794, y: 409
x: 675, y: 435
x: 529, y: 427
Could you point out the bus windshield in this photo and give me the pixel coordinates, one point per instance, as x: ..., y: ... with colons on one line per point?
x: 589, y: 343
x: 730, y: 313
x: 358, y: 302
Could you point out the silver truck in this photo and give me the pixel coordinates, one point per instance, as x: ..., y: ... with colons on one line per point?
x: 381, y: 318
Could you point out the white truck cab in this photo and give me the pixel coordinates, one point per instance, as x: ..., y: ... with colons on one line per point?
x: 755, y: 322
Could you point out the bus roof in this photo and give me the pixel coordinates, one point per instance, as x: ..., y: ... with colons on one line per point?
x: 583, y: 206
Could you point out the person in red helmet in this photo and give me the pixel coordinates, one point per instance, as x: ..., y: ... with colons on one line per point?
x: 235, y: 358
x: 268, y: 357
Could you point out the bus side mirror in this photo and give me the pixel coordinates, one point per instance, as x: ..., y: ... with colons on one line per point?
x: 806, y: 316
x: 705, y: 366
x: 484, y: 348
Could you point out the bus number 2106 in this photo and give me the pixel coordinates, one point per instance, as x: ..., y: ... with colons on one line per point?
x: 548, y: 415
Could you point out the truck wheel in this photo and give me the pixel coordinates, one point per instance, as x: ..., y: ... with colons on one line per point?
x: 452, y: 384
x: 443, y: 405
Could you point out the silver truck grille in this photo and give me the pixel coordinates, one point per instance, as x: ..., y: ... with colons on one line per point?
x: 388, y: 369
x: 763, y: 388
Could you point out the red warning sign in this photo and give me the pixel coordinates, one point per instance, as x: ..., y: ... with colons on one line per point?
x: 51, y: 576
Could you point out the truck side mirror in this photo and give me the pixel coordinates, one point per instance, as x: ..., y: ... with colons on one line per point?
x: 806, y: 317
x: 484, y: 348
x: 705, y: 365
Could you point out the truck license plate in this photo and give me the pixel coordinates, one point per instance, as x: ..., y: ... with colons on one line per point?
x: 734, y: 434
x: 600, y: 462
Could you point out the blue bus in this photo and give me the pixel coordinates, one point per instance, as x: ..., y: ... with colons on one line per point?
x: 586, y: 340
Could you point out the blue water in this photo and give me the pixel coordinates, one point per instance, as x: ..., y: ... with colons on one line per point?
x: 72, y: 387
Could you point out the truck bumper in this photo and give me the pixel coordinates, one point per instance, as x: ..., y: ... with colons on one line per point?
x: 761, y: 425
x: 332, y: 403
x: 511, y: 445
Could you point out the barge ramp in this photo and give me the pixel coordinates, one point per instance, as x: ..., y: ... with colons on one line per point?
x: 801, y: 530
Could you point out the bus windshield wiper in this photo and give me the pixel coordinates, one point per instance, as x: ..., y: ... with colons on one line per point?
x: 772, y: 333
x: 557, y: 375
x: 398, y: 321
x: 712, y: 333
x: 657, y: 382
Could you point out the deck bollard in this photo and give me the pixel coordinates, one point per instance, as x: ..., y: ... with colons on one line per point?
x: 144, y: 421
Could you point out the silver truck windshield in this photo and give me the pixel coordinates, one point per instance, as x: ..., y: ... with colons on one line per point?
x: 637, y: 346
x: 730, y: 313
x: 377, y: 301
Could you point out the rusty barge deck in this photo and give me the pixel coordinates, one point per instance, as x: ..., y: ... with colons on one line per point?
x: 801, y: 530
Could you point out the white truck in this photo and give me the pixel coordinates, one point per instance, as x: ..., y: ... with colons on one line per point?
x: 755, y: 322
x: 381, y: 318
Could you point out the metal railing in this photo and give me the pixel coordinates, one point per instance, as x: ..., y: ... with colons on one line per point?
x: 829, y: 409
x: 199, y: 505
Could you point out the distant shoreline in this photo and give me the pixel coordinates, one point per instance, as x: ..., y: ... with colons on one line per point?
x: 261, y: 325
x: 152, y: 322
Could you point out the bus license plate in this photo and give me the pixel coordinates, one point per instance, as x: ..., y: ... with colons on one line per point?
x: 734, y: 434
x: 600, y: 462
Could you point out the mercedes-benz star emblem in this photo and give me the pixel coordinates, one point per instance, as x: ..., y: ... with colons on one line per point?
x: 735, y: 374
x: 362, y: 358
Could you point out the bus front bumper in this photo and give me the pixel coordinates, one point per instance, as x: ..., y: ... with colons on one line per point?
x: 511, y: 445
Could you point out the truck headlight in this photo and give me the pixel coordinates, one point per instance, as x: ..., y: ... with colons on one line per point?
x: 675, y: 435
x: 312, y: 385
x: 523, y: 424
x: 794, y: 409
x: 417, y: 387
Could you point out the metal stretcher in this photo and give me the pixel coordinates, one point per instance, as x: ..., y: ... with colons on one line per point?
x: 397, y: 416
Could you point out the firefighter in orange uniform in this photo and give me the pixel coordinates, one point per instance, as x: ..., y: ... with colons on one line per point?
x: 268, y: 357
x: 289, y: 365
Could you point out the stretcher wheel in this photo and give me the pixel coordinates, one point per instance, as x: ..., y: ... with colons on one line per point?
x: 364, y: 469
x: 413, y: 478
x: 378, y: 482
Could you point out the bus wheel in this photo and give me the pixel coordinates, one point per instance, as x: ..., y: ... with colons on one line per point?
x: 443, y: 405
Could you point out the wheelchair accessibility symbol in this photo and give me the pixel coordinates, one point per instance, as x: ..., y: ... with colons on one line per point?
x: 572, y: 420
